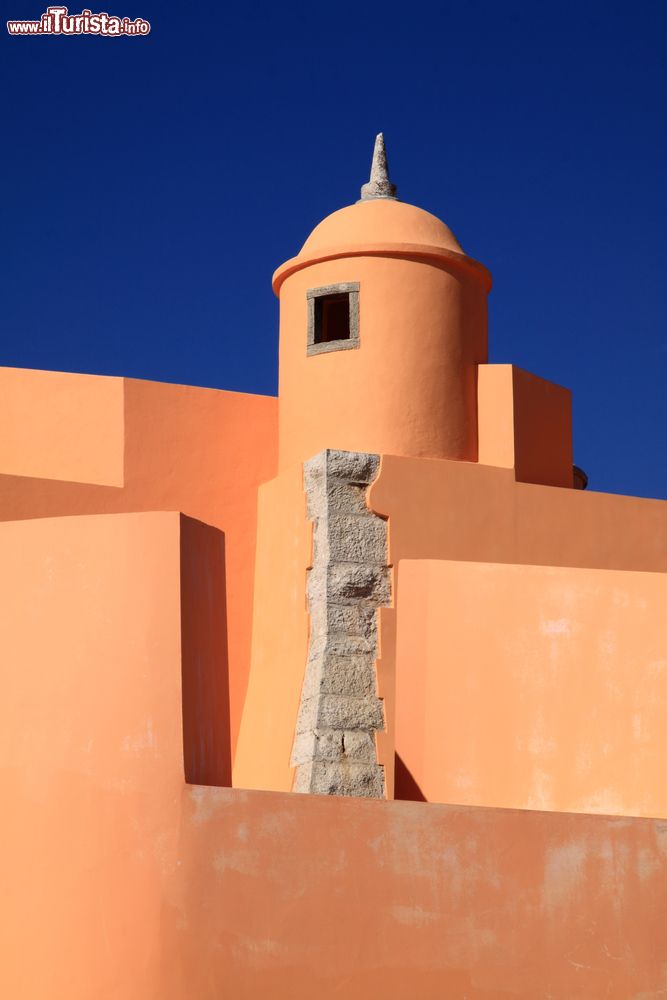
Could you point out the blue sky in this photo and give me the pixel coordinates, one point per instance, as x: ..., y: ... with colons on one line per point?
x: 151, y: 186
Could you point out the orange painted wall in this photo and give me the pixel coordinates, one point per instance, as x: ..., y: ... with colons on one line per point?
x: 56, y: 425
x: 436, y: 510
x: 533, y: 687
x: 422, y: 332
x: 200, y: 451
x: 91, y: 751
x: 279, y: 638
x: 121, y: 883
x: 474, y: 513
x: 207, y: 752
x: 291, y: 896
x: 525, y: 424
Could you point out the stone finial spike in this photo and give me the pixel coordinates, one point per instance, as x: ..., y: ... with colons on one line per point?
x: 379, y: 185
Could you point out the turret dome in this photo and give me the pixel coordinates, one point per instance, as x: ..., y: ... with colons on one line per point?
x: 379, y: 225
x: 379, y: 221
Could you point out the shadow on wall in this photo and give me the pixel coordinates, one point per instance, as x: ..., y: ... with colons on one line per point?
x: 204, y: 655
x: 405, y: 786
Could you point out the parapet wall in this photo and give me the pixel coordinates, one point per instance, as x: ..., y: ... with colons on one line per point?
x: 462, y: 512
x: 84, y: 444
x: 121, y: 881
x: 532, y: 687
x: 294, y: 896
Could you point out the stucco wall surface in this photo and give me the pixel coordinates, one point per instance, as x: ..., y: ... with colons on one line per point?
x: 416, y: 361
x: 534, y: 687
x: 525, y: 424
x: 279, y: 636
x: 293, y: 896
x: 156, y: 447
x: 121, y: 882
x: 90, y: 750
x: 460, y: 511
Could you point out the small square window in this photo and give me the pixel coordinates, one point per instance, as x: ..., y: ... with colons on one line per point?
x: 333, y: 318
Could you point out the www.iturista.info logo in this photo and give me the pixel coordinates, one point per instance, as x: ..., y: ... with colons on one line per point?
x: 58, y: 21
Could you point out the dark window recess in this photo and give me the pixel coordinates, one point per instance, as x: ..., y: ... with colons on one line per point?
x: 332, y: 318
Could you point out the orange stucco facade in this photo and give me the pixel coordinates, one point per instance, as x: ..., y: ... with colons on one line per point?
x: 160, y: 447
x: 381, y: 585
x: 493, y: 704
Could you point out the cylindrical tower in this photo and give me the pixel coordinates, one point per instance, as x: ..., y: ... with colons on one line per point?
x: 383, y: 322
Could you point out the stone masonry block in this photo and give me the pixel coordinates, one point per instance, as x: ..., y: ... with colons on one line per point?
x: 343, y: 620
x: 345, y: 498
x: 331, y: 673
x: 357, y: 539
x: 339, y: 711
x: 340, y: 645
x: 343, y: 778
x: 347, y: 582
x: 350, y: 466
x: 334, y: 750
x: 304, y: 748
x: 358, y: 745
x: 333, y: 744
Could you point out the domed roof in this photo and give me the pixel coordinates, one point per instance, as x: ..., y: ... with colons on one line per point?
x: 379, y: 224
x: 380, y: 220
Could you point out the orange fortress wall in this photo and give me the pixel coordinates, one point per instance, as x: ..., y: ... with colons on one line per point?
x: 438, y: 615
x: 60, y: 426
x: 468, y: 513
x: 161, y: 447
x: 532, y: 686
x: 279, y: 638
x: 525, y: 424
x: 121, y: 883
